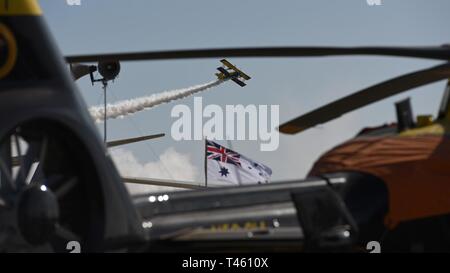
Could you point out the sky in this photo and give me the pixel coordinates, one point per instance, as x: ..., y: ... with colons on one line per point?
x: 297, y: 85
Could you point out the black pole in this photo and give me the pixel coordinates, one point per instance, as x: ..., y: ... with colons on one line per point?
x: 238, y: 175
x: 6, y: 154
x: 105, y: 139
x: 206, y: 166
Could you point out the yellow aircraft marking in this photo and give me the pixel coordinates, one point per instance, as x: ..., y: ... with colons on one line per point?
x: 227, y: 63
x: 437, y: 128
x: 220, y: 76
x: 19, y: 7
x: 12, y: 51
x: 424, y: 120
x: 251, y: 225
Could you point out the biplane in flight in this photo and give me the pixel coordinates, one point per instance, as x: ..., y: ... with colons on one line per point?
x: 231, y: 72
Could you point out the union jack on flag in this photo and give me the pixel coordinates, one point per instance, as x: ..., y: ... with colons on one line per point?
x: 216, y: 152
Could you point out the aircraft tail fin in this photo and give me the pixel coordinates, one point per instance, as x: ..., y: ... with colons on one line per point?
x: 444, y: 109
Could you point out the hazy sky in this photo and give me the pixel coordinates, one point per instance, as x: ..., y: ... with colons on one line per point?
x: 297, y: 85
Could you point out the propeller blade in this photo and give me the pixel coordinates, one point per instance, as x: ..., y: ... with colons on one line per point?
x: 120, y: 142
x: 437, y: 53
x: 365, y: 97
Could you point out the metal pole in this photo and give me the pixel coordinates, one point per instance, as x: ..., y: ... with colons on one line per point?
x: 104, y: 117
x: 5, y: 154
x: 206, y: 164
x: 238, y: 175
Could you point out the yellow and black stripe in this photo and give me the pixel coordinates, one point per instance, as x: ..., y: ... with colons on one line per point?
x: 12, y: 14
x: 19, y: 7
x: 8, y: 50
x: 28, y: 54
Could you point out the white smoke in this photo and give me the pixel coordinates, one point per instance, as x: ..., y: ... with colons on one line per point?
x: 171, y: 165
x: 131, y: 106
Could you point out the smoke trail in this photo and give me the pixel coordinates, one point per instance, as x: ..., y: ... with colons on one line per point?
x: 131, y: 106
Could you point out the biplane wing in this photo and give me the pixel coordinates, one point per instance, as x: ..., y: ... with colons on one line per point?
x: 232, y: 67
x: 241, y: 83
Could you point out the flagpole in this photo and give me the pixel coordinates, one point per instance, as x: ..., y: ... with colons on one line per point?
x: 238, y: 175
x: 206, y: 167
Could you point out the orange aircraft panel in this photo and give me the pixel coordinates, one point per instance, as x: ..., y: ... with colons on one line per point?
x: 416, y: 170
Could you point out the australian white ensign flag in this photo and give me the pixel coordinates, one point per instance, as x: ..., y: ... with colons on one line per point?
x: 226, y: 165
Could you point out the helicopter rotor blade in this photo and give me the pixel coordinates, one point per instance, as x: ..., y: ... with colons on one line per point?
x: 436, y: 53
x: 365, y: 97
